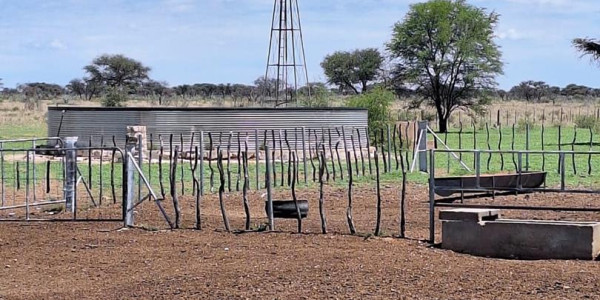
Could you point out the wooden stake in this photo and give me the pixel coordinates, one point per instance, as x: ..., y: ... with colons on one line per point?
x: 222, y: 190
x: 378, y: 192
x: 245, y: 188
x: 173, y: 180
x: 322, y: 164
x: 349, y: 209
x: 294, y: 178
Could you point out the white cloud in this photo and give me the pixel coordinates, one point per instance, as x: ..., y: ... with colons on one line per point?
x: 57, y: 44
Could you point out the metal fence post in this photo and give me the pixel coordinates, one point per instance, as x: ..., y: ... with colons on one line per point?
x: 562, y: 171
x: 70, y: 190
x: 432, y: 196
x: 304, y: 154
x: 129, y: 184
x: 257, y: 158
x: 2, y: 172
x: 422, y: 150
x: 477, y: 169
x: 269, y: 189
x: 34, y: 181
x: 201, y: 182
x: 527, y: 146
x: 389, y: 144
x: 140, y: 150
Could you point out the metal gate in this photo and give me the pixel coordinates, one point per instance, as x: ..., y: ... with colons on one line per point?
x: 59, y: 183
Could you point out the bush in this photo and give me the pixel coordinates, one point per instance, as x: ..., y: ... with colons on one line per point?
x: 378, y: 102
x: 522, y: 125
x: 320, y: 98
x: 114, y: 98
x: 588, y: 122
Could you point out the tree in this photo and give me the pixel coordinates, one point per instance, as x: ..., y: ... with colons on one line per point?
x: 117, y: 71
x: 447, y: 51
x: 589, y: 47
x: 77, y: 87
x: 530, y: 90
x: 348, y: 69
x: 575, y: 91
x: 41, y: 90
x: 267, y: 87
x: 154, y: 88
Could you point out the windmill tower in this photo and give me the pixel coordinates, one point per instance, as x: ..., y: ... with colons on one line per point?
x: 286, y: 61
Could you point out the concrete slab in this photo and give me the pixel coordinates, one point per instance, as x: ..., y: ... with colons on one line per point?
x: 470, y: 214
x: 523, y: 239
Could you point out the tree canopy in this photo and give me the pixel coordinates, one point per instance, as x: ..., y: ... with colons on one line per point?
x: 447, y: 51
x: 589, y: 47
x: 348, y: 70
x: 531, y: 90
x: 117, y: 71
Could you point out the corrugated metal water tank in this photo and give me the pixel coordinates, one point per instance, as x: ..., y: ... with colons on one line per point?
x: 95, y: 122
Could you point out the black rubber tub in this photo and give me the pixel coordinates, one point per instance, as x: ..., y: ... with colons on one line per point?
x: 286, y: 209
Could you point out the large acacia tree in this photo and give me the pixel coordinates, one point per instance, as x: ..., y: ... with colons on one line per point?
x: 447, y: 50
x: 117, y: 74
x: 117, y: 71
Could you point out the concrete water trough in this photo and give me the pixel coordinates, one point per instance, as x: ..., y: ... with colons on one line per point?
x: 482, y: 232
x: 447, y: 186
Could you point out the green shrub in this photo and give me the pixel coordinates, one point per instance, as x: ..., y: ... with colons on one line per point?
x: 320, y: 98
x: 378, y: 102
x: 114, y: 98
x: 588, y: 122
x: 522, y: 125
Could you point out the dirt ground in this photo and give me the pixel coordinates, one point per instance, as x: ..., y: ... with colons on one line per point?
x: 101, y: 260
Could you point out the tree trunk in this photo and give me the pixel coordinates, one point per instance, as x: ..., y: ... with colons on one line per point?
x: 442, y: 121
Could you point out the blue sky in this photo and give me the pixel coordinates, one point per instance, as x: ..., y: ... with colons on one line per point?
x: 220, y: 41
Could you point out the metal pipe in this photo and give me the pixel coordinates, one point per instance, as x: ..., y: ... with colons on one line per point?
x: 520, y: 207
x: 478, y: 169
x: 32, y: 205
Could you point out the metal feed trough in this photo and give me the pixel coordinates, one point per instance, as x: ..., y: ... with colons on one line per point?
x: 447, y: 186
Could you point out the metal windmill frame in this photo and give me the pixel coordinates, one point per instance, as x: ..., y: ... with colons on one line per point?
x: 286, y: 56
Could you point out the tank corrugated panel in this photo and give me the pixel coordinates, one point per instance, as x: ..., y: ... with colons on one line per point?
x: 162, y: 122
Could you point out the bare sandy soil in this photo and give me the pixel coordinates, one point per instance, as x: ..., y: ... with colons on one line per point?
x: 99, y: 260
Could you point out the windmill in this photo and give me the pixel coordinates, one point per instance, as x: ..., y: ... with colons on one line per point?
x: 286, y: 60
